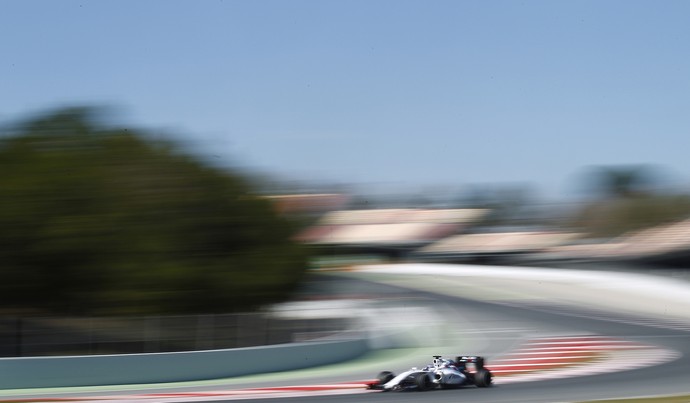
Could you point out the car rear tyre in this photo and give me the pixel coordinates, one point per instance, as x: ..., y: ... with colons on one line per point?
x: 483, y: 378
x: 385, y: 377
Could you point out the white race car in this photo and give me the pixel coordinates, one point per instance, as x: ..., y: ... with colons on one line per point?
x: 442, y: 373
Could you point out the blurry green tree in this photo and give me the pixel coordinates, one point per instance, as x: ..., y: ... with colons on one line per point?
x: 629, y: 199
x: 623, y: 181
x: 96, y: 220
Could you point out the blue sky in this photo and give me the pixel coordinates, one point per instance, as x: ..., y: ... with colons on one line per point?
x: 383, y: 93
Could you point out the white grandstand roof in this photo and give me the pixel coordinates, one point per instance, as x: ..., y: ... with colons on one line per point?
x: 499, y: 242
x: 402, y: 233
x: 658, y: 240
x: 388, y: 226
x: 398, y: 216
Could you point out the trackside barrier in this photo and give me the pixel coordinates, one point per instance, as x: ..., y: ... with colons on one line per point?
x: 43, y: 372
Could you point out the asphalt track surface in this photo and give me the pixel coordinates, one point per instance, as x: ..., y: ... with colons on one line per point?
x: 666, y: 379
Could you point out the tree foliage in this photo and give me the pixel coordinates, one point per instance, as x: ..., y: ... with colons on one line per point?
x: 616, y: 217
x: 628, y: 202
x: 623, y: 181
x: 101, y: 220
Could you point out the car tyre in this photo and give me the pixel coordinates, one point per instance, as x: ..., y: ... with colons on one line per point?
x: 385, y: 377
x: 423, y: 382
x: 483, y: 378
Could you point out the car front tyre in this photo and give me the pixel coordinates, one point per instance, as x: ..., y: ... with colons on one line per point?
x: 423, y: 382
x: 385, y: 377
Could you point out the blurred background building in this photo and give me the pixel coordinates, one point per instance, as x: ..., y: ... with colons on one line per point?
x: 340, y: 233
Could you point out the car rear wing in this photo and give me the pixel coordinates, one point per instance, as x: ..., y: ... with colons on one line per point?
x: 471, y: 359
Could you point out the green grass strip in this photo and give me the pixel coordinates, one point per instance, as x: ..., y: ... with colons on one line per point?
x: 655, y: 399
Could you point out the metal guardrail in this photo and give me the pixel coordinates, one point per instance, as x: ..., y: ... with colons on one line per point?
x: 129, y: 369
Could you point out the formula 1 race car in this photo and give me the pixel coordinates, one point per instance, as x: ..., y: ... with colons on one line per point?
x: 441, y: 374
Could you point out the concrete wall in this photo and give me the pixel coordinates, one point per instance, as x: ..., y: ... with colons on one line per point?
x: 41, y: 372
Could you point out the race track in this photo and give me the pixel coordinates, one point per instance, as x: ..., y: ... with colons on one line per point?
x: 495, y: 327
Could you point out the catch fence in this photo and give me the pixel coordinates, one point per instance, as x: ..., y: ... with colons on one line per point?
x: 50, y: 336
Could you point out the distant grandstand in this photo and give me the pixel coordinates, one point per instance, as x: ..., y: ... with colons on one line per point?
x: 458, y: 235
